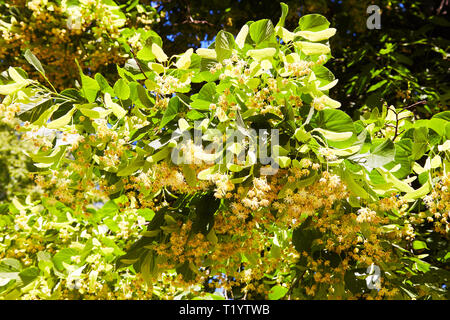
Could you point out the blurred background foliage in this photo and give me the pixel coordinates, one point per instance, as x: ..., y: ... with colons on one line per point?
x: 14, y: 164
x: 95, y: 32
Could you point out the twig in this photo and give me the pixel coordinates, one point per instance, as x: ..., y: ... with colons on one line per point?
x: 397, y: 119
x: 190, y: 19
x: 443, y: 3
x: 414, y: 104
x: 396, y: 123
x: 137, y: 62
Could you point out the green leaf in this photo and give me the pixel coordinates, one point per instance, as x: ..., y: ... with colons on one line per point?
x: 159, y: 155
x: 29, y: 274
x: 419, y: 245
x: 135, y: 165
x: 158, y: 68
x: 62, y: 121
x: 151, y: 233
x: 109, y: 209
x: 353, y: 186
x: 284, y: 12
x: 283, y: 161
x: 171, y: 111
x: 303, y: 237
x: 333, y: 120
x: 118, y: 111
x: 200, y: 104
x: 146, y: 53
x: 64, y: 255
x: 313, y: 22
x: 445, y: 115
x: 206, y: 173
x: 31, y: 58
x: 93, y: 112
x: 438, y: 125
x: 277, y: 292
x: 324, y: 75
x: 209, y: 54
x: 7, y: 89
x: 301, y: 135
x: 183, y: 125
x: 53, y: 157
x: 104, y: 85
x: 224, y: 45
x: 205, y: 209
x: 32, y: 112
x: 121, y: 89
x: 376, y: 86
x: 141, y: 94
x: 419, y: 193
x: 390, y: 178
x: 208, y: 92
x: 147, y: 213
x: 381, y: 154
x: 111, y: 224
x: 186, y: 271
x: 195, y: 115
x: 90, y: 87
x: 10, y: 265
x: 189, y: 175
x: 420, y: 144
x: 261, y: 30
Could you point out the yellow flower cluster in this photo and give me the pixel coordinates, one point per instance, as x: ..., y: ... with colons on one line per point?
x: 365, y: 215
x: 318, y: 104
x: 263, y: 101
x: 300, y: 68
x: 167, y: 84
x: 256, y: 197
x: 438, y: 203
x: 58, y: 33
x: 8, y: 113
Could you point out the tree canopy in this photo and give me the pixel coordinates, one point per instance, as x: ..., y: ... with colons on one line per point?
x: 179, y: 149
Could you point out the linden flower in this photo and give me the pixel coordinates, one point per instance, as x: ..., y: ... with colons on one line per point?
x: 261, y: 184
x: 328, y: 154
x: 251, y: 203
x: 318, y: 104
x: 365, y: 215
x: 134, y: 41
x: 334, y: 181
x: 322, y: 59
x: 428, y: 199
x: 300, y: 68
x: 179, y: 177
x: 223, y: 185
